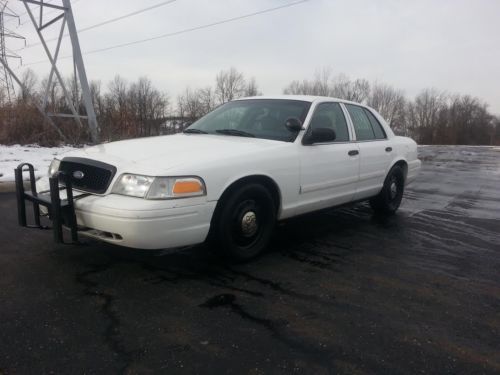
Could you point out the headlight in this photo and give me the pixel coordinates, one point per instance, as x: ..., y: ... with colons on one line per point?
x: 159, y: 187
x: 134, y: 185
x: 54, y: 167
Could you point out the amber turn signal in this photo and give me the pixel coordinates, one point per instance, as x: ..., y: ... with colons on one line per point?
x: 187, y: 186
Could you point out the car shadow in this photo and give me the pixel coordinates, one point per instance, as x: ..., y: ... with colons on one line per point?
x: 318, y: 239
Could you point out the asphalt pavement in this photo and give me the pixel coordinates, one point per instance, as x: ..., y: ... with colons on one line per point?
x: 341, y: 291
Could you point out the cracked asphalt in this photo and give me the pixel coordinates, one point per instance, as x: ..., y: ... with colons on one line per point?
x: 340, y: 291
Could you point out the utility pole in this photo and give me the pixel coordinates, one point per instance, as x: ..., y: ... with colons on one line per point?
x: 62, y: 14
x: 6, y: 84
x: 80, y: 67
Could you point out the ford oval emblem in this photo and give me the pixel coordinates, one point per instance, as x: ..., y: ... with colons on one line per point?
x: 78, y: 175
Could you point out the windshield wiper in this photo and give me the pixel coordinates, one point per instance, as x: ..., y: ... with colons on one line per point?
x: 194, y: 131
x: 238, y: 133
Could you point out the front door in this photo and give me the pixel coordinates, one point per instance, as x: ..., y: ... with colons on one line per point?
x: 329, y: 171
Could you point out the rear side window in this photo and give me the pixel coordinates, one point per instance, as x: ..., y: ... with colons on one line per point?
x: 362, y: 125
x: 377, y: 128
x: 330, y: 115
x: 366, y: 125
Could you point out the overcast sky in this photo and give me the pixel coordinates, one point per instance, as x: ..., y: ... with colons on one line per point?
x: 452, y: 45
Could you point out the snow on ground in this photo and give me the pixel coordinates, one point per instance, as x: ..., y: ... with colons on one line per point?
x: 40, y: 157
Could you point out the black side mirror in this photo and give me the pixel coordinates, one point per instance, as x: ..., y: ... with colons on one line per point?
x: 293, y: 124
x: 320, y: 135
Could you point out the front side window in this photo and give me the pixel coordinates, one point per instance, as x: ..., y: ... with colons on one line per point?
x: 260, y: 118
x: 330, y: 115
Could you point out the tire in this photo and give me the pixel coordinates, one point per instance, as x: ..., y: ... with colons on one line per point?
x: 388, y: 200
x: 245, y: 222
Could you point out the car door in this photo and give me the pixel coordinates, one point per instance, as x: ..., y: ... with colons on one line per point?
x: 328, y: 170
x: 374, y: 151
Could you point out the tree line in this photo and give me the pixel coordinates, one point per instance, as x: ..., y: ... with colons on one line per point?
x: 138, y: 109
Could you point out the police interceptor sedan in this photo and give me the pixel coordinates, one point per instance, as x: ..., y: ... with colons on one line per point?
x: 231, y: 175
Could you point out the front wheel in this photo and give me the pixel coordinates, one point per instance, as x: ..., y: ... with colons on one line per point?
x: 388, y: 200
x: 245, y: 222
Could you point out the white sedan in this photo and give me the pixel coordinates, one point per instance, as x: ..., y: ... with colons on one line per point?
x: 234, y: 173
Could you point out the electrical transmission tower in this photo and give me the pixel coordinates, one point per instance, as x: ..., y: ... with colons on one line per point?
x: 6, y: 84
x: 60, y: 14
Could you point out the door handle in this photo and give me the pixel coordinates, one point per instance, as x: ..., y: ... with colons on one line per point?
x: 353, y: 152
x: 388, y: 149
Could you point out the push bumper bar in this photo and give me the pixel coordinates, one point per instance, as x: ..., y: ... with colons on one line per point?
x: 61, y: 211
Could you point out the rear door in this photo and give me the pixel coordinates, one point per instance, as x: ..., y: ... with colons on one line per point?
x: 375, y: 151
x: 329, y: 171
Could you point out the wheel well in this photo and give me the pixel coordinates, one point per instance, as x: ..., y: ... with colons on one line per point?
x: 266, y: 181
x: 404, y: 165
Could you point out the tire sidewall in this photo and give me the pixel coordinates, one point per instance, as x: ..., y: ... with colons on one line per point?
x: 225, y: 236
x: 395, y: 175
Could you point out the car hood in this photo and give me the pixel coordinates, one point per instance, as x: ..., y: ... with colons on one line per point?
x: 156, y: 154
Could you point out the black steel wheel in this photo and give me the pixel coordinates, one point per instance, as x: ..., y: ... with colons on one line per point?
x: 389, y: 199
x: 245, y: 221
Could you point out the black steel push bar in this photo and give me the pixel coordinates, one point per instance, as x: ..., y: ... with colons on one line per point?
x: 61, y: 211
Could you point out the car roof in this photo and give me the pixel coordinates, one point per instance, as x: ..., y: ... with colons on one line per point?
x: 304, y: 98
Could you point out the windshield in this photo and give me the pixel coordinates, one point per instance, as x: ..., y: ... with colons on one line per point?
x: 260, y: 118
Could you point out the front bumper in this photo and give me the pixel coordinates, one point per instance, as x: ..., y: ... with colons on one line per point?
x: 143, y: 224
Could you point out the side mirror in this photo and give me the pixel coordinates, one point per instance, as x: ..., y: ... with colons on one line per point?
x: 320, y: 135
x: 293, y: 124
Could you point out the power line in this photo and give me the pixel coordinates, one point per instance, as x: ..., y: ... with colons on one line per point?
x: 183, y: 31
x: 126, y: 15
x: 112, y: 20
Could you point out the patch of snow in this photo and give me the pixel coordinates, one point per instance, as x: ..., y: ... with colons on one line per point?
x: 40, y: 157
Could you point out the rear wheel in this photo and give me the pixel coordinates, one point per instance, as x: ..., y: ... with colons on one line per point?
x: 388, y: 200
x: 245, y: 222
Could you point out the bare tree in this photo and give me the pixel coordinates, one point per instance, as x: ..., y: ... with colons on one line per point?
x: 319, y: 86
x: 300, y: 88
x: 192, y: 105
x: 3, y: 96
x: 469, y: 121
x: 344, y: 88
x: 139, y: 109
x: 322, y: 82
x: 118, y: 119
x: 29, y: 82
x: 149, y: 106
x: 97, y: 97
x: 207, y: 99
x: 391, y: 104
x: 229, y: 85
x: 252, y: 88
x: 495, y: 131
x: 425, y: 114
x: 118, y: 91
